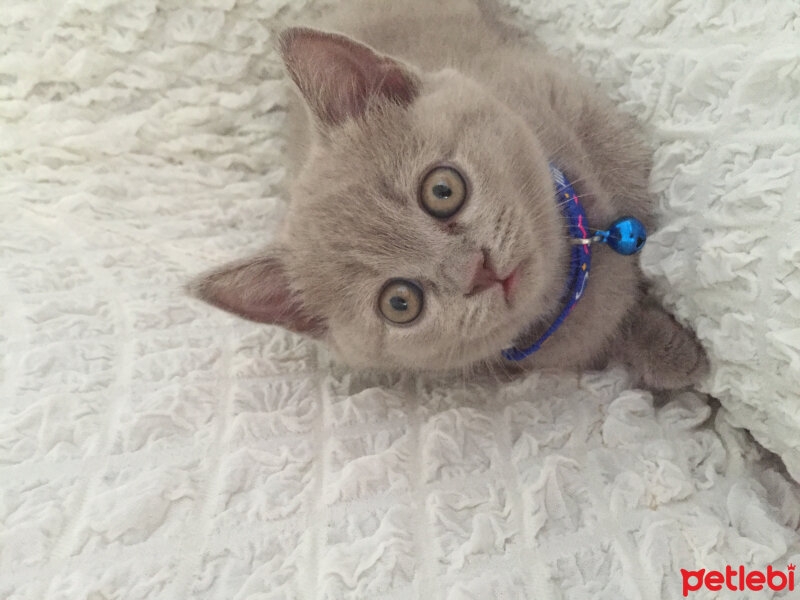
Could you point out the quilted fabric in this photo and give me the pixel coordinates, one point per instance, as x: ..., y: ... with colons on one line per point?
x: 151, y: 447
x: 718, y: 84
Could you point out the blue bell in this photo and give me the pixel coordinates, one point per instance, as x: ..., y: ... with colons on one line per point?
x: 626, y: 235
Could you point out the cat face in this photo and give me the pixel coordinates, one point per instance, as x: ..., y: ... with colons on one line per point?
x: 422, y: 231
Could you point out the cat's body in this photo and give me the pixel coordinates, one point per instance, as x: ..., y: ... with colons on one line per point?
x: 453, y: 86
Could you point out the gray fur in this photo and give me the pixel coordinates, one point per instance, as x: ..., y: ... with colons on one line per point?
x: 453, y: 81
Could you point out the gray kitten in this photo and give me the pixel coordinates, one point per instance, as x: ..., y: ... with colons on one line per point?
x: 423, y: 231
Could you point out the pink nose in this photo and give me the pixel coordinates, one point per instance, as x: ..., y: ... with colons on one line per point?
x: 483, y: 276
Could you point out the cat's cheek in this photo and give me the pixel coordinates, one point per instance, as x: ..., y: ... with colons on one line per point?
x: 356, y: 346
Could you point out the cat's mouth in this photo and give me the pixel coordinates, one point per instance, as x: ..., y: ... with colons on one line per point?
x: 489, y: 280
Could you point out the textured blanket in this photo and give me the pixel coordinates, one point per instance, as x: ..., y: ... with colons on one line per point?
x: 151, y: 447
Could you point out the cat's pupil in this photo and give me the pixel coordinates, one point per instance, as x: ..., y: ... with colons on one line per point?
x: 442, y: 191
x: 398, y: 303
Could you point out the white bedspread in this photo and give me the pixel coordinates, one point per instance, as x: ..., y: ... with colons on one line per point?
x: 717, y: 82
x: 151, y: 447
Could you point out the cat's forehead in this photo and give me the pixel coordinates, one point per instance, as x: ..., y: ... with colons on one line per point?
x: 361, y: 225
x: 393, y: 148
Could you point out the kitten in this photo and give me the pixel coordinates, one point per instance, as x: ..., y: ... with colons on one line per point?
x: 423, y: 231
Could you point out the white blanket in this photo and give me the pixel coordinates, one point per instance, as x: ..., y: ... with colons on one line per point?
x: 718, y: 85
x: 151, y: 447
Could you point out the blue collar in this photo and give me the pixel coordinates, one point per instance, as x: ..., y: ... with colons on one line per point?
x: 626, y: 235
x: 580, y: 263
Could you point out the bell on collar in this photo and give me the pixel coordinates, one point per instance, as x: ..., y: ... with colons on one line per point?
x: 626, y: 235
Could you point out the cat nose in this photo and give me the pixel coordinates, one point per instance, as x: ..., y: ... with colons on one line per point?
x: 483, y: 275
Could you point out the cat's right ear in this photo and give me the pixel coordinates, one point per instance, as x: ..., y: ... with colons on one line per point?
x: 259, y: 290
x: 338, y: 76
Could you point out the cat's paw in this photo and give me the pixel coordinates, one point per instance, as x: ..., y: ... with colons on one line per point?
x: 664, y: 354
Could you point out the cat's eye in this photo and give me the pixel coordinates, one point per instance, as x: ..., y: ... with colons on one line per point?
x: 443, y: 192
x: 400, y: 301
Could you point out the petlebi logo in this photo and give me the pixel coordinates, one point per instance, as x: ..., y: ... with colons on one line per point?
x: 738, y: 580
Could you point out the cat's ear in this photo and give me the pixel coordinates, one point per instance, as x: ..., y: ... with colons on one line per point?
x: 259, y: 290
x: 338, y: 76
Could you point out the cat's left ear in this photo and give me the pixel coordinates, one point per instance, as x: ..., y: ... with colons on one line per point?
x: 258, y: 289
x: 338, y: 77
